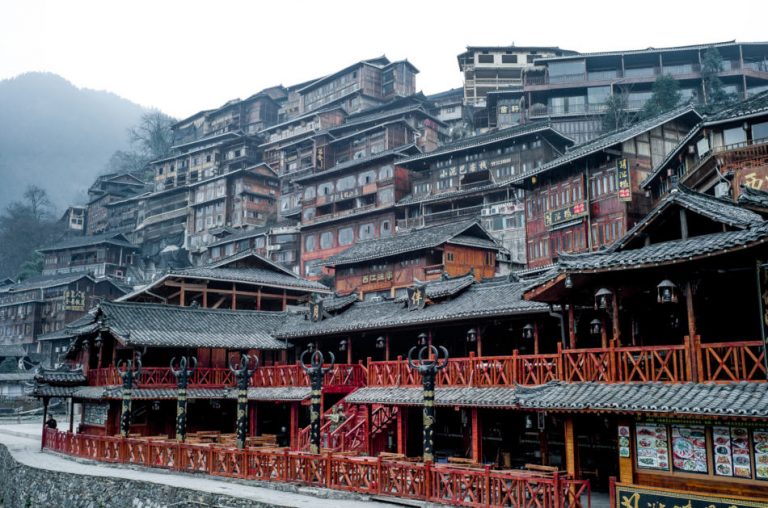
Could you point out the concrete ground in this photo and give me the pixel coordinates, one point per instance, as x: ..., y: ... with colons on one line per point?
x: 23, y: 441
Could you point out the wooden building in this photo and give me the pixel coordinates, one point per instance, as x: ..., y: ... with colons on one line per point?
x: 388, y: 266
x: 105, y: 190
x: 242, y: 281
x: 590, y: 196
x: 280, y: 243
x: 470, y: 178
x: 109, y: 255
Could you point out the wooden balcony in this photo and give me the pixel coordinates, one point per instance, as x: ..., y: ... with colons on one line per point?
x: 343, y: 377
x: 689, y: 362
x: 419, y: 481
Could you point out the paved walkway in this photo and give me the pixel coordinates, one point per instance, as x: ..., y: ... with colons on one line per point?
x: 23, y: 441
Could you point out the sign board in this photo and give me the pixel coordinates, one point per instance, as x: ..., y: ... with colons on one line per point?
x: 416, y: 297
x: 574, y: 211
x: 624, y: 449
x: 74, y: 300
x: 316, y: 311
x: 95, y: 414
x: 634, y: 496
x: 623, y: 180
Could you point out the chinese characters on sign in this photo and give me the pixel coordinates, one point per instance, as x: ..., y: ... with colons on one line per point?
x: 623, y: 180
x: 574, y: 211
x: 74, y: 300
x: 416, y: 296
x: 315, y: 311
x: 377, y: 277
x: 463, y: 169
x: 630, y: 496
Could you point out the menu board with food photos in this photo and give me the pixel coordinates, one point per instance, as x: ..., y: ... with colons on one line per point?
x: 760, y: 440
x: 689, y: 448
x: 652, y: 446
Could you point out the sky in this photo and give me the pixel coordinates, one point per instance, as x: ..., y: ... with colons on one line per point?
x: 183, y: 56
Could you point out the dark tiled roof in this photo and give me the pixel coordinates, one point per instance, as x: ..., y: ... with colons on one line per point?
x: 710, y: 399
x: 702, y: 399
x: 393, y: 152
x: 11, y: 350
x: 81, y: 325
x: 287, y: 393
x: 410, y: 241
x: 720, y: 210
x: 240, y: 235
x: 671, y: 155
x: 449, y: 286
x: 251, y: 275
x: 608, y: 140
x: 665, y: 252
x: 334, y: 303
x: 46, y: 281
x: 84, y: 241
x: 444, y: 396
x: 450, y: 194
x: 476, y: 301
x: 750, y: 196
x: 755, y: 105
x: 471, y: 241
x: 146, y: 324
x: 60, y: 377
x: 487, y: 139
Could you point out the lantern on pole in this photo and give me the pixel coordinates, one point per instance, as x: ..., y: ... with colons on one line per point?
x: 603, y: 299
x: 666, y: 292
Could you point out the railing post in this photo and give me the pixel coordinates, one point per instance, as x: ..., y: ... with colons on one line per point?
x: 487, y: 486
x: 612, y: 360
x: 378, y: 475
x: 515, y: 370
x: 369, y: 371
x: 559, y: 363
x: 328, y: 475
x: 611, y: 491
x: 558, y: 488
x: 428, y: 480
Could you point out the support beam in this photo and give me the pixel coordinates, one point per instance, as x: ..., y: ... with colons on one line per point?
x: 386, y: 348
x: 294, y: 439
x: 285, y: 299
x: 535, y: 338
x: 479, y: 342
x: 218, y: 303
x: 615, y: 318
x: 258, y: 299
x: 476, y: 437
x: 349, y: 350
x: 571, y: 449
x: 690, y: 309
x: 234, y: 296
x: 571, y: 326
x: 182, y: 295
x: 401, y: 430
x: 603, y: 333
x: 205, y: 298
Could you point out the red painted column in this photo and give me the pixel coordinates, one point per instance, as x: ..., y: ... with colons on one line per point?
x: 294, y: 425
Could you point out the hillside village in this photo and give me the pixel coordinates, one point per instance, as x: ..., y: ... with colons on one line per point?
x: 588, y: 254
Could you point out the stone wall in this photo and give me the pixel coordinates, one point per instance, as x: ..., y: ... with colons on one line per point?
x: 26, y: 487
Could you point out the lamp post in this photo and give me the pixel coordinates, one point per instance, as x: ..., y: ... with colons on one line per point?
x: 182, y: 375
x: 428, y: 368
x: 128, y: 374
x: 316, y: 372
x: 242, y: 375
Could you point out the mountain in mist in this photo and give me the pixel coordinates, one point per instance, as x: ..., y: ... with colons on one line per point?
x: 58, y: 136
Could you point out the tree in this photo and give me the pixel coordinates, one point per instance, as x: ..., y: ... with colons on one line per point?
x: 617, y: 114
x: 153, y: 136
x: 31, y: 267
x: 25, y: 226
x: 665, y: 96
x: 715, y: 96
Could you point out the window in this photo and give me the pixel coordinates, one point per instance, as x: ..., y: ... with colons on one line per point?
x: 487, y: 59
x: 386, y: 195
x: 346, y: 236
x: 309, y: 193
x: 326, y: 240
x: 386, y: 172
x: 308, y: 214
x: 490, y: 258
x: 346, y: 183
x: 760, y: 131
x: 366, y: 231
x: 449, y: 256
x: 509, y: 59
x: 325, y: 188
x: 366, y: 178
x: 309, y: 243
x: 734, y: 136
x: 386, y: 229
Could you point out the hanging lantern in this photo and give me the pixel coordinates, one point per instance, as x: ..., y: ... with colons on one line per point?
x: 343, y: 345
x: 422, y: 339
x: 471, y: 335
x: 595, y: 327
x: 568, y: 282
x: 603, y: 299
x: 311, y: 346
x: 380, y: 342
x: 528, y: 331
x: 667, y: 292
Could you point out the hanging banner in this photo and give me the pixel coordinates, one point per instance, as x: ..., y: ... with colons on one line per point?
x: 623, y: 180
x: 633, y: 496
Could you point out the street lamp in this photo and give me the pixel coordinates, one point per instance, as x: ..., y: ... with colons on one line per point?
x: 428, y: 368
x: 666, y: 292
x: 316, y: 373
x: 182, y: 375
x: 242, y: 374
x: 603, y: 299
x: 127, y: 374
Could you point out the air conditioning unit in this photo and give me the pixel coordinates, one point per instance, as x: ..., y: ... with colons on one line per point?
x: 485, y: 211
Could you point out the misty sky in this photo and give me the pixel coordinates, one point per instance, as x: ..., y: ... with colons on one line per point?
x: 184, y: 56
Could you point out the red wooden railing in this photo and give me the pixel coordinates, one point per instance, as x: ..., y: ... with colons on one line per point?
x: 733, y: 361
x: 437, y: 483
x: 342, y: 375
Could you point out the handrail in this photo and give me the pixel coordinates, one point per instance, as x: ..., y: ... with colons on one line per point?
x: 436, y: 483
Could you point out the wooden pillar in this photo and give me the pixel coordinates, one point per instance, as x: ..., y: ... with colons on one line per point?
x: 285, y: 299
x: 571, y: 449
x: 615, y: 321
x: 603, y: 333
x: 284, y: 356
x: 258, y: 298
x: 294, y: 425
x: 71, y: 414
x: 476, y: 437
x: 689, y: 309
x: 101, y: 349
x: 252, y: 429
x: 45, y: 419
x: 535, y: 338
x: 571, y: 326
x: 182, y: 296
x: 479, y: 342
x: 401, y: 430
x: 234, y: 296
x: 543, y: 444
x: 349, y: 350
x: 205, y: 298
x: 386, y: 348
x: 626, y: 464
